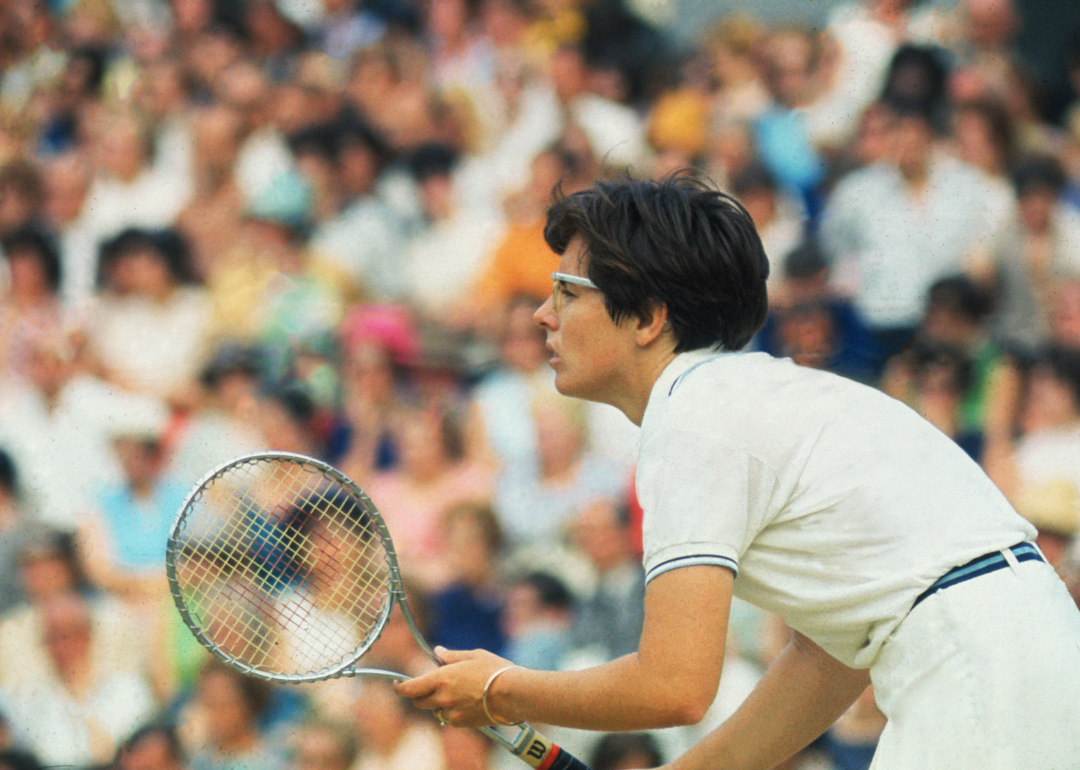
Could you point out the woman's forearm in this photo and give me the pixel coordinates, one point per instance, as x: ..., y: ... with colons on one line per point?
x: 621, y: 695
x: 800, y: 696
x: 671, y: 679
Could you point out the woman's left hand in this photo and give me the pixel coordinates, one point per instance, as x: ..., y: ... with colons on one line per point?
x: 455, y: 691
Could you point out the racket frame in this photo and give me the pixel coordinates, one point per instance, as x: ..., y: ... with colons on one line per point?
x: 378, y: 525
x: 528, y: 745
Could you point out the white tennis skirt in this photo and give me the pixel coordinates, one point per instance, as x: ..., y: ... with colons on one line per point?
x: 984, y: 675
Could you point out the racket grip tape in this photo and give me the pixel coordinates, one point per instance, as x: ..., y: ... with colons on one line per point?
x: 538, y: 751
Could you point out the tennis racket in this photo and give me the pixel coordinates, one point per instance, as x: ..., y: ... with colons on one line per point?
x: 283, y: 568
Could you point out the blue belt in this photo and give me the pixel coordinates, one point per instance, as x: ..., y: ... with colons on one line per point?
x: 982, y: 565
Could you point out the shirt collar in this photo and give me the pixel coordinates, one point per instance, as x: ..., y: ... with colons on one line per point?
x: 668, y: 379
x: 679, y: 366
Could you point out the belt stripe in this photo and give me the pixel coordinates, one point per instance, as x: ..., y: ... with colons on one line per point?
x: 981, y: 565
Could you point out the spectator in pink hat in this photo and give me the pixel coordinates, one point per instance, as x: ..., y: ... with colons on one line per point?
x: 379, y: 345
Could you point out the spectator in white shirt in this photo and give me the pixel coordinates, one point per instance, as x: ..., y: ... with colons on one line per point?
x: 895, y: 227
x: 79, y: 710
x: 58, y: 425
x: 447, y: 258
x: 128, y: 189
x: 363, y: 235
x: 1037, y: 249
x: 149, y: 332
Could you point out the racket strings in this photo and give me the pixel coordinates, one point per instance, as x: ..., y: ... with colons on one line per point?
x: 283, y: 568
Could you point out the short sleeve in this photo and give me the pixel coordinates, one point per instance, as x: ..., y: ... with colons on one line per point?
x: 703, y: 498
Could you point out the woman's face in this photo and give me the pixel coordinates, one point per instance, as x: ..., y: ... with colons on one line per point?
x: 46, y: 575
x: 358, y: 168
x: 138, y: 460
x: 67, y: 632
x: 191, y: 16
x: 66, y: 183
x: 280, y: 430
x: 593, y: 357
x: 912, y: 141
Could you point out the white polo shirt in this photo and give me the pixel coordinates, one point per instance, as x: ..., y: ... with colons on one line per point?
x: 835, y: 504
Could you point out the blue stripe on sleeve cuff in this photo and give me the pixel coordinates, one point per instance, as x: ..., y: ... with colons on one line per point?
x: 692, y: 561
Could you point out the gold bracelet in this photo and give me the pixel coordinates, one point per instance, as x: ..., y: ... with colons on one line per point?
x: 487, y: 687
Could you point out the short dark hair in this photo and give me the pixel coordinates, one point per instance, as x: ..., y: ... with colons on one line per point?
x: 676, y: 242
x: 1038, y: 172
x: 903, y: 106
x: 550, y: 590
x: 33, y: 239
x: 754, y: 177
x: 96, y: 59
x: 354, y: 130
x: 805, y: 260
x: 293, y: 397
x: 962, y: 296
x: 166, y: 243
x: 432, y: 159
x: 916, y: 84
x: 322, y: 140
x: 1064, y: 365
x: 233, y: 357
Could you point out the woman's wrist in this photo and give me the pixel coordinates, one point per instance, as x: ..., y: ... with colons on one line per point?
x: 491, y: 701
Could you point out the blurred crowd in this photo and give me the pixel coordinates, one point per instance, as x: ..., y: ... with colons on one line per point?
x: 316, y: 226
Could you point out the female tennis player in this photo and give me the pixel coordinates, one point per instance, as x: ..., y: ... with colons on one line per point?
x: 888, y: 551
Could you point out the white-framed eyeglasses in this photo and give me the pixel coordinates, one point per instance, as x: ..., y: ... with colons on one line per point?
x: 558, y: 287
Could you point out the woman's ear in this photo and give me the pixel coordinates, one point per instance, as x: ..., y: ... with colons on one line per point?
x: 650, y: 327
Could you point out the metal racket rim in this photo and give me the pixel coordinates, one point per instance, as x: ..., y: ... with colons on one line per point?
x: 346, y: 667
x: 342, y: 668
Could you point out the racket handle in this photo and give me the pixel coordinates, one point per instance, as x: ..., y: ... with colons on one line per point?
x: 540, y: 752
